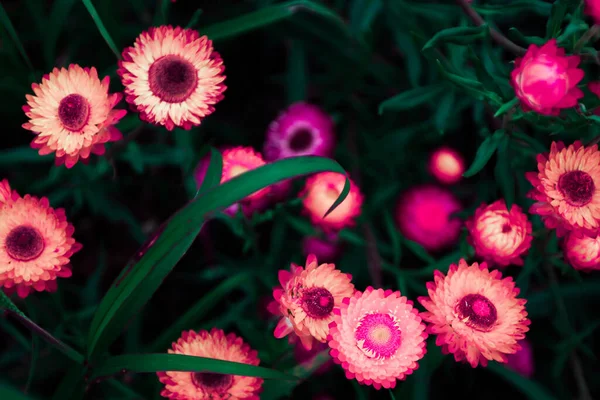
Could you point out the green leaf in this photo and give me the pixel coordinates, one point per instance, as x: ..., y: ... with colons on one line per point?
x: 195, y: 18
x: 363, y: 13
x: 100, y: 25
x: 199, y: 310
x: 418, y: 250
x: 135, y: 157
x: 11, y: 393
x: 7, y: 24
x: 297, y: 79
x: 445, y: 108
x: 485, y: 152
x: 557, y: 15
x: 214, y: 172
x: 529, y: 387
x: 411, y: 98
x: 392, y: 395
x: 504, y: 173
x: 471, y: 86
x: 412, y: 58
x: 178, y: 362
x: 7, y: 304
x: 144, y: 273
x: 514, y: 7
x: 506, y: 106
x: 516, y: 35
x: 56, y: 21
x: 267, y: 16
x: 457, y: 35
x: 72, y: 385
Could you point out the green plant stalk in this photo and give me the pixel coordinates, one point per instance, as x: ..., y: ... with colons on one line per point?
x: 42, y: 333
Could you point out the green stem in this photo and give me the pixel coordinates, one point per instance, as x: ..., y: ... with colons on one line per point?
x: 42, y: 333
x: 589, y: 34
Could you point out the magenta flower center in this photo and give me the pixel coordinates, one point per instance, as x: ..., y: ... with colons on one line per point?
x: 74, y: 112
x: 317, y: 302
x: 301, y: 140
x: 477, y: 312
x: 24, y: 243
x: 212, y: 381
x: 506, y: 228
x: 378, y: 335
x: 577, y: 187
x: 172, y: 79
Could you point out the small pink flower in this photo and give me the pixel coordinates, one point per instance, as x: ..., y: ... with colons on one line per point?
x: 522, y: 360
x: 424, y: 214
x: 592, y: 8
x: 500, y: 236
x: 377, y: 337
x: 582, y: 251
x: 446, y: 165
x: 321, y: 191
x: 326, y: 249
x: 545, y: 80
x: 301, y: 130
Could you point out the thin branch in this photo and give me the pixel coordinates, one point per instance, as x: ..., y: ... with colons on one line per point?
x: 496, y: 35
x: 589, y: 34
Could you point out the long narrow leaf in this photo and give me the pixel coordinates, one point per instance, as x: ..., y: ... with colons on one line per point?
x: 266, y: 16
x: 100, y: 25
x: 144, y: 274
x: 179, y: 362
x: 7, y: 24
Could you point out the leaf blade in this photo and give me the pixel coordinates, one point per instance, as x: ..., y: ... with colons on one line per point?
x: 485, y: 151
x: 100, y: 25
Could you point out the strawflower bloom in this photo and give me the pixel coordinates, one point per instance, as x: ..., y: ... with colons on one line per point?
x: 566, y: 188
x: 71, y: 113
x: 475, y: 314
x: 321, y: 191
x: 326, y: 249
x: 37, y: 244
x: 545, y: 80
x: 6, y: 193
x: 378, y: 337
x: 446, y: 165
x: 592, y: 8
x: 172, y: 76
x: 522, y: 360
x: 307, y: 298
x: 301, y: 130
x: 208, y: 385
x: 499, y: 236
x: 238, y: 160
x: 582, y: 251
x: 424, y: 215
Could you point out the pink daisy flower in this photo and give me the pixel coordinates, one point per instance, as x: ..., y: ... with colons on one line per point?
x: 566, y: 188
x: 446, y: 165
x: 301, y: 130
x: 36, y: 244
x: 522, y: 360
x: 500, y: 236
x: 582, y: 251
x: 207, y: 385
x: 475, y: 314
x: 377, y: 337
x: 172, y: 77
x: 321, y: 191
x: 424, y: 215
x: 307, y: 298
x: 545, y: 80
x: 72, y: 114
